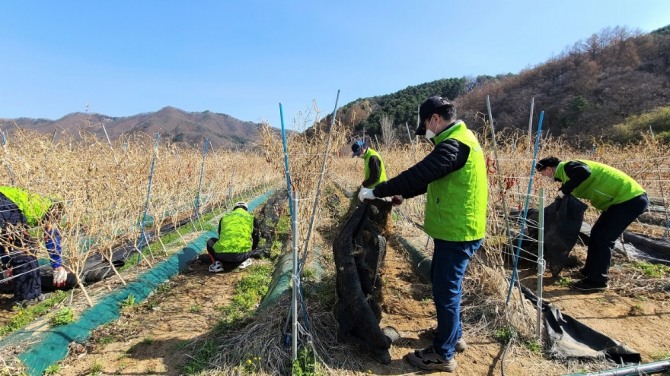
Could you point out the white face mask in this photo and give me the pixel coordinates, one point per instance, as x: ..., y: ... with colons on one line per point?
x: 429, y: 134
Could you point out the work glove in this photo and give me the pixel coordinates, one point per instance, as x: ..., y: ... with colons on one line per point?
x: 366, y: 194
x: 60, y: 277
x: 397, y: 200
x: 560, y: 194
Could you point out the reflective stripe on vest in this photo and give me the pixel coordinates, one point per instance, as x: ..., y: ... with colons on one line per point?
x: 456, y: 204
x: 606, y: 186
x: 235, y: 235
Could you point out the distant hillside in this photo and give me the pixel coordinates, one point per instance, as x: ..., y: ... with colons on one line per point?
x: 584, y: 92
x: 171, y: 123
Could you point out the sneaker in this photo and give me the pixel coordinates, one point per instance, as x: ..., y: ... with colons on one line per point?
x: 588, y: 285
x: 216, y: 267
x: 30, y: 302
x: 461, y: 345
x: 244, y: 264
x: 428, y: 359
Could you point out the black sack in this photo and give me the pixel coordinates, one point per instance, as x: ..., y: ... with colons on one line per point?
x: 562, y: 222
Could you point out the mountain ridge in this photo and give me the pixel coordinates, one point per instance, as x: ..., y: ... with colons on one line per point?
x: 220, y: 129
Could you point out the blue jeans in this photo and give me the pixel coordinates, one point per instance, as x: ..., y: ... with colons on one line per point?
x: 450, y: 260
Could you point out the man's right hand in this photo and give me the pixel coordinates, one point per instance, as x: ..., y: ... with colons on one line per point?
x: 60, y: 277
x: 366, y: 194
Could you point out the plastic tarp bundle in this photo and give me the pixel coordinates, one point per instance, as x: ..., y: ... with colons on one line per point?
x: 359, y: 252
x: 569, y: 338
x: 562, y: 223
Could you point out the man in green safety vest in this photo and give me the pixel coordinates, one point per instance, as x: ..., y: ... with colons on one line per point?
x: 374, y: 169
x: 620, y: 198
x: 24, y: 218
x: 237, y: 241
x: 453, y: 176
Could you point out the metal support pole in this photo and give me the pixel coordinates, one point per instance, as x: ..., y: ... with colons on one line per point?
x: 296, y: 281
x: 525, y: 209
x: 530, y: 123
x: 146, y: 202
x: 196, y: 211
x: 287, y: 171
x: 540, y: 264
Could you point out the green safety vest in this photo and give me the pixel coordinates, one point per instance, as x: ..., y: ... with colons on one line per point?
x: 236, y: 230
x: 605, y: 187
x: 456, y: 204
x: 382, y: 173
x: 33, y: 206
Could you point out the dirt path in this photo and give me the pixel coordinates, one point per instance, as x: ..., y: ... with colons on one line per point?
x: 150, y: 338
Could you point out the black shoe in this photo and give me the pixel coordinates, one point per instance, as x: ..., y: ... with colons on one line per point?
x: 428, y: 359
x: 588, y: 285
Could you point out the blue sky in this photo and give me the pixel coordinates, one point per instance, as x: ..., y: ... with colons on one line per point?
x: 242, y: 58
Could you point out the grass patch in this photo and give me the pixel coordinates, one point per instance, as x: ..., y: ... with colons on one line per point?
x: 96, y: 368
x: 504, y: 334
x: 104, y: 340
x: 636, y: 310
x: 26, y: 315
x: 533, y: 346
x: 63, y: 317
x: 564, y: 281
x: 305, y: 363
x: 247, y: 294
x: 53, y: 369
x: 200, y: 359
x: 128, y: 302
x: 652, y: 270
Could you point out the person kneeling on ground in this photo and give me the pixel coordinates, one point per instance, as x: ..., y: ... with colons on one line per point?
x: 22, y: 215
x: 237, y: 241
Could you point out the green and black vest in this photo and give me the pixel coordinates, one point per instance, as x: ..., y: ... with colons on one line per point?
x: 382, y: 170
x: 456, y: 204
x: 235, y: 235
x: 33, y: 206
x: 605, y: 187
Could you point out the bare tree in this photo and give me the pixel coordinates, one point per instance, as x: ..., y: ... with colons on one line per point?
x: 388, y: 133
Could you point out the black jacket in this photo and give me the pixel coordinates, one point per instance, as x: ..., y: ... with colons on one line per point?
x: 375, y: 167
x: 577, y: 172
x: 448, y: 156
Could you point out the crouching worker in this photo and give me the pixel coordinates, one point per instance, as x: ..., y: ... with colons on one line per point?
x: 237, y: 241
x: 23, y: 216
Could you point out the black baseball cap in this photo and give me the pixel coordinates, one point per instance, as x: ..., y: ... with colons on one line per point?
x: 427, y: 109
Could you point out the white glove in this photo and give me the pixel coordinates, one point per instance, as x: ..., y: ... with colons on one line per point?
x: 366, y: 194
x: 560, y: 194
x: 60, y: 276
